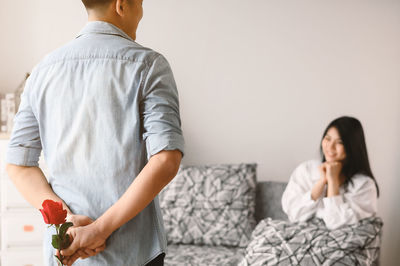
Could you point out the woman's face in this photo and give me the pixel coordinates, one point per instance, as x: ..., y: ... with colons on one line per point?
x: 332, y: 146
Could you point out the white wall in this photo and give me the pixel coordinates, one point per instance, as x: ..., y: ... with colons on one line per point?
x: 31, y: 29
x: 259, y: 80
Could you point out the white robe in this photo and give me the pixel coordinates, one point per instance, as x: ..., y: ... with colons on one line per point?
x: 356, y: 202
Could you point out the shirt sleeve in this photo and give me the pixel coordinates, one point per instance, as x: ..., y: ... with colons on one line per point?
x: 296, y: 199
x: 160, y: 109
x: 25, y: 146
x: 358, y: 202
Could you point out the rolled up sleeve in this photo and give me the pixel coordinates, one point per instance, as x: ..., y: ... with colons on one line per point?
x: 25, y: 146
x: 160, y: 109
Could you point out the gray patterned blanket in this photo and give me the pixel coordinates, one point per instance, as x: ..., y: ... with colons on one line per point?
x: 311, y: 243
x: 203, y: 255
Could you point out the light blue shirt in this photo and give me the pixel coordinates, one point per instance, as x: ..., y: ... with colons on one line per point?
x: 99, y: 107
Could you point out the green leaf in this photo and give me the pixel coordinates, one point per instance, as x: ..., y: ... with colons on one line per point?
x: 59, y: 263
x: 55, y: 241
x: 65, y: 242
x: 64, y: 227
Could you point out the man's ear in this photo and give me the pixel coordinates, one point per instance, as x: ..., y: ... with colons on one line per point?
x: 119, y: 7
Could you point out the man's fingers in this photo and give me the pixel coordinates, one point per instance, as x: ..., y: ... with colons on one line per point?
x: 72, y: 259
x: 82, y: 254
x: 72, y: 248
x: 68, y: 260
x: 89, y: 252
x: 101, y: 248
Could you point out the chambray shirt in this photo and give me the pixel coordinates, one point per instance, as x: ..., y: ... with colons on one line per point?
x: 99, y: 107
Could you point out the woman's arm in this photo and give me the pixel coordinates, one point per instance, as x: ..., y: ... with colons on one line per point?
x: 359, y: 202
x: 297, y: 201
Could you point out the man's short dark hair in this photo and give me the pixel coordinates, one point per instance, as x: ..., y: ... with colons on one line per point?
x: 90, y: 4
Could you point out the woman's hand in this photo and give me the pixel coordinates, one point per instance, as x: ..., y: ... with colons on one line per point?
x: 322, y: 172
x: 333, y: 177
x: 86, y: 241
x: 319, y: 187
x: 333, y: 171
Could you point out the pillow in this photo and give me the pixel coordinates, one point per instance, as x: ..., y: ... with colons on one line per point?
x: 210, y: 205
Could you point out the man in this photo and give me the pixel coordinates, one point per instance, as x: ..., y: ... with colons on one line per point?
x: 105, y: 112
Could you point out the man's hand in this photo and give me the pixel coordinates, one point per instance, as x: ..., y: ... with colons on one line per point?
x: 86, y: 241
x: 79, y: 220
x: 83, y: 253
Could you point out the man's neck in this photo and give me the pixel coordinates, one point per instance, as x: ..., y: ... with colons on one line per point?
x: 114, y: 21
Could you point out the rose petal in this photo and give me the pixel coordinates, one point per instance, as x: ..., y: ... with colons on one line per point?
x: 54, y: 212
x: 45, y: 217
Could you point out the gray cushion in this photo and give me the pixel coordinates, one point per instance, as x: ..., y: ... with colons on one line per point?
x: 268, y: 200
x: 210, y: 205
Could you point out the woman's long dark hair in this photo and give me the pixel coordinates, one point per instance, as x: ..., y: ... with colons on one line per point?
x: 352, y: 135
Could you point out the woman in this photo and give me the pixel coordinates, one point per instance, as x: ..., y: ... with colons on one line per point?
x: 341, y: 189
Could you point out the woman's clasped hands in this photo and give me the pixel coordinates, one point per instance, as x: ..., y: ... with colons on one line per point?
x: 331, y: 176
x: 330, y: 172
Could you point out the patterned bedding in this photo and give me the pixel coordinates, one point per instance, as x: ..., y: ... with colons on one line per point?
x: 276, y: 242
x: 185, y: 255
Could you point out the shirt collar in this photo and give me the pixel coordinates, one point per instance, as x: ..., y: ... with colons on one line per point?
x: 102, y: 27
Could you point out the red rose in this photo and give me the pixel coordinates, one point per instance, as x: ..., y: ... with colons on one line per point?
x: 53, y: 212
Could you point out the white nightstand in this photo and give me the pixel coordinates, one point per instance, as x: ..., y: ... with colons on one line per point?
x: 22, y: 226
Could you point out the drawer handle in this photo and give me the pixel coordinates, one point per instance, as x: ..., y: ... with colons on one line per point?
x: 29, y: 228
